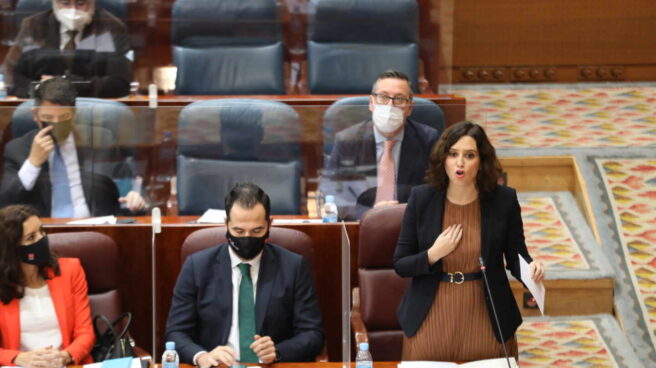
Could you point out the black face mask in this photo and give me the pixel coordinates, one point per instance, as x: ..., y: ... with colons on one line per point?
x: 37, y: 253
x: 247, y: 247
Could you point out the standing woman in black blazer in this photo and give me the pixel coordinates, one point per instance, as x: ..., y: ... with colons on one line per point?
x: 460, y: 215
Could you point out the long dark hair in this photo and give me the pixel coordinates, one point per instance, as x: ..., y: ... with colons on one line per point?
x: 12, y: 280
x: 490, y: 169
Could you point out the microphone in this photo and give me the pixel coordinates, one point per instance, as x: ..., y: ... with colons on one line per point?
x: 494, y: 310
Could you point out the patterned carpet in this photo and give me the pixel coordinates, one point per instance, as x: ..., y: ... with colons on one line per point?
x: 611, y: 132
x: 548, y: 237
x: 631, y: 184
x: 586, y: 341
x: 565, y: 117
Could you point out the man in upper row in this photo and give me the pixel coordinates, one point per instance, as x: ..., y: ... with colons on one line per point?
x: 51, y: 169
x: 389, y: 147
x: 74, y: 39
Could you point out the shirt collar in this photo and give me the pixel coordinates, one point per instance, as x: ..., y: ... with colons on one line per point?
x: 235, y: 260
x: 380, y: 139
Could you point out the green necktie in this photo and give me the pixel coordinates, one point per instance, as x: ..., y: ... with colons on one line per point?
x: 246, y: 315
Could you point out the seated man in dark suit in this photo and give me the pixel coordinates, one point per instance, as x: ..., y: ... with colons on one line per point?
x: 388, y: 148
x: 245, y: 300
x: 86, y: 44
x: 45, y: 168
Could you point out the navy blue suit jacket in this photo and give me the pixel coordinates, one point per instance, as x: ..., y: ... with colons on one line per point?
x: 286, y: 307
x: 355, y: 150
x: 502, y: 234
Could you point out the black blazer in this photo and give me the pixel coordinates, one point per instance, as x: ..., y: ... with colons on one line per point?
x: 355, y: 149
x: 100, y: 192
x: 502, y: 234
x: 286, y: 307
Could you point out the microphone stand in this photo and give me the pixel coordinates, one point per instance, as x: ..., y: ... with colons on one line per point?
x: 494, y: 310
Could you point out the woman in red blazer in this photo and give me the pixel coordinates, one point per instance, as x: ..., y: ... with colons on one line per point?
x: 26, y: 268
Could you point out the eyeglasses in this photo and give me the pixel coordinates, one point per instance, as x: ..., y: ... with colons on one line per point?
x: 73, y: 2
x: 396, y: 101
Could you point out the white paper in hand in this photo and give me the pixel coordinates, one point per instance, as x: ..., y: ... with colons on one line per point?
x: 537, y: 289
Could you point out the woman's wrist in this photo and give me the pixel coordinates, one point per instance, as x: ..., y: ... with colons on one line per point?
x: 18, y: 359
x: 66, y: 357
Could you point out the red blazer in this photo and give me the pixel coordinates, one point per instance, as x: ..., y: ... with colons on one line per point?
x: 69, y: 296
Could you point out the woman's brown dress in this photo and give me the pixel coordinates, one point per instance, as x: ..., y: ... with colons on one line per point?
x: 457, y: 326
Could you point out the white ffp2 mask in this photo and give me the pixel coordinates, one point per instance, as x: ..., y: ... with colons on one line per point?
x: 387, y: 118
x: 73, y: 19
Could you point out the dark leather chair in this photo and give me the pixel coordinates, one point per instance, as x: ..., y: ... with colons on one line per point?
x: 351, y: 42
x: 293, y: 240
x: 240, y: 129
x: 115, y: 118
x: 349, y: 111
x: 25, y: 8
x: 373, y: 317
x: 227, y: 47
x: 204, y: 183
x: 98, y: 255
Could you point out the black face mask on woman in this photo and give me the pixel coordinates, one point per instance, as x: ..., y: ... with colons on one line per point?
x: 37, y: 253
x: 247, y: 247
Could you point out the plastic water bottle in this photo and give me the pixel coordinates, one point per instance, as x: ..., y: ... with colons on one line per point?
x: 363, y: 358
x: 3, y: 87
x: 170, y: 357
x: 329, y: 211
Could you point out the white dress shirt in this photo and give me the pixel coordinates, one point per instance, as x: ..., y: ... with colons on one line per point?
x: 39, y: 327
x: 28, y: 174
x: 233, y: 337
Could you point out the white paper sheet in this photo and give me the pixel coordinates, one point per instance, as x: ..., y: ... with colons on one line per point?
x: 537, y: 290
x: 136, y: 363
x: 111, y: 220
x: 487, y: 363
x: 280, y: 221
x: 426, y: 364
x: 212, y: 216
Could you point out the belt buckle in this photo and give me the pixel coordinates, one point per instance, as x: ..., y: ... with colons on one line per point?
x: 459, y: 280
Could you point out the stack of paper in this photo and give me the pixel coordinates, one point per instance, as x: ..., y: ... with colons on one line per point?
x: 487, y: 363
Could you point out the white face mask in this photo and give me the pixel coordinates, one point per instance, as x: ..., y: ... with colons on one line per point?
x: 387, y: 119
x: 73, y: 19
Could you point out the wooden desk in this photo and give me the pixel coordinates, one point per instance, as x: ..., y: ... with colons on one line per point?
x: 134, y: 243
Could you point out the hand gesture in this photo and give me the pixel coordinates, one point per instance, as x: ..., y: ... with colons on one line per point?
x: 537, y: 271
x: 42, y: 145
x: 39, y: 358
x: 445, y: 243
x: 220, y: 355
x: 134, y: 201
x: 264, y: 348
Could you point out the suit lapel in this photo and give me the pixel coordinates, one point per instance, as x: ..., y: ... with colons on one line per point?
x: 223, y: 280
x: 265, y: 281
x: 486, y: 226
x: 367, y: 152
x: 52, y: 37
x: 56, y: 286
x: 436, y: 206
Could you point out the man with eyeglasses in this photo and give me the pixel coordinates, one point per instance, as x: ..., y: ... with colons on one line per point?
x: 75, y: 39
x: 388, y: 147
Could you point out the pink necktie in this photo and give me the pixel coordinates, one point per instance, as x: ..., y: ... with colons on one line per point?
x: 386, y: 176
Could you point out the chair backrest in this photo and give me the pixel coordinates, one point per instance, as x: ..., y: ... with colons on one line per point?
x: 25, y: 8
x: 351, y: 42
x: 98, y: 254
x: 349, y: 111
x: 204, y: 183
x: 227, y: 47
x: 381, y: 289
x: 206, y: 129
x: 113, y: 117
x: 290, y: 239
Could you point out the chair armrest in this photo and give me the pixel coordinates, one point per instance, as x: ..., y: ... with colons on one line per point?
x: 359, y: 329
